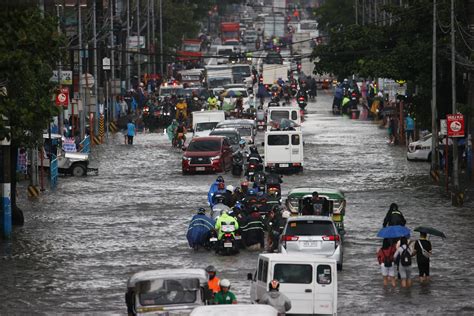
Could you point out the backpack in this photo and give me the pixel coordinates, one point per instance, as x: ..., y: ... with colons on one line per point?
x: 405, y: 257
x: 382, y: 257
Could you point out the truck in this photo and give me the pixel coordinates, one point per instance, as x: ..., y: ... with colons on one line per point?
x: 190, y: 51
x: 274, y: 25
x: 272, y: 72
x: 230, y: 31
x: 218, y: 76
x: 301, y: 42
x: 205, y: 121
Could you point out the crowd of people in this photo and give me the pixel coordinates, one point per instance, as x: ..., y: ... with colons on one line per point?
x: 395, y: 255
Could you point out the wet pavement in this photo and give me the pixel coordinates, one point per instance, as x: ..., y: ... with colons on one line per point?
x: 80, y: 244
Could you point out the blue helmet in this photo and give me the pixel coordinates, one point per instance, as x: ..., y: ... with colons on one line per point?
x: 242, y: 142
x: 252, y: 192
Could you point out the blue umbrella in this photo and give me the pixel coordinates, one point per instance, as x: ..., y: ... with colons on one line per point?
x: 394, y: 232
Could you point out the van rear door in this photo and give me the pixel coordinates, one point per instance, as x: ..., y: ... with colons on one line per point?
x: 277, y: 148
x: 325, y: 294
x: 296, y: 148
x: 262, y: 278
x: 296, y: 282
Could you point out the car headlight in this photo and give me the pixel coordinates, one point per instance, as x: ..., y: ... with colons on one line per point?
x: 216, y: 158
x: 187, y: 158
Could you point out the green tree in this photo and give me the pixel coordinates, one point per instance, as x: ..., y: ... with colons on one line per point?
x: 29, y: 49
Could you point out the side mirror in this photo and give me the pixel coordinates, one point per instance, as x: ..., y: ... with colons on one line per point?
x: 183, y: 148
x: 263, y: 143
x: 249, y: 277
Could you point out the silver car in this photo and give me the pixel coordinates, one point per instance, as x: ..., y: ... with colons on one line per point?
x: 312, y: 234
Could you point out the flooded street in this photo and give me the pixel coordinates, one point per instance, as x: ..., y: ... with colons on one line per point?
x: 80, y: 244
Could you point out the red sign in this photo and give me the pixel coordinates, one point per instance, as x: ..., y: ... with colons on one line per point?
x: 455, y: 124
x: 62, y: 98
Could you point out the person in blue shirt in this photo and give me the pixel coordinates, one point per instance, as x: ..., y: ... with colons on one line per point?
x: 213, y: 189
x: 199, y: 230
x: 130, y: 132
x: 410, y: 128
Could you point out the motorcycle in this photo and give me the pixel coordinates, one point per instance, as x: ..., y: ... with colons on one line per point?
x: 273, y: 102
x: 179, y: 140
x: 302, y: 102
x: 237, y: 164
x: 228, y: 244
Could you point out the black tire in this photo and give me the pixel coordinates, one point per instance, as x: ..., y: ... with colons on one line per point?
x: 339, y: 266
x: 78, y: 170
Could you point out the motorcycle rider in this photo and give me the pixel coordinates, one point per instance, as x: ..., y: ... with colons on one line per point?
x: 250, y: 199
x: 222, y: 195
x: 199, y: 229
x: 213, y: 282
x: 394, y: 217
x: 225, y: 218
x: 253, y: 229
x: 181, y: 110
x: 254, y: 156
x: 224, y: 296
x: 171, y: 130
x: 180, y: 133
x: 276, y: 299
x: 212, y: 102
x: 213, y: 189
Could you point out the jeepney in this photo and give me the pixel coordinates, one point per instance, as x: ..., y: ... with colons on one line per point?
x: 167, y: 292
x: 336, y: 198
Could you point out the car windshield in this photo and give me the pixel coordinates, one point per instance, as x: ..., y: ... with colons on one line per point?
x: 310, y: 228
x: 207, y: 145
x: 225, y: 52
x: 293, y: 273
x: 243, y: 70
x: 245, y: 131
x: 218, y: 82
x: 233, y: 138
x: 205, y: 126
x: 167, y: 292
x: 192, y: 47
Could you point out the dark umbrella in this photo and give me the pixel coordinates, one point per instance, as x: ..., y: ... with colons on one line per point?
x: 396, y: 231
x: 429, y: 230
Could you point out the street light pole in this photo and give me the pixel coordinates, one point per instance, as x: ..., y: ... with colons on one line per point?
x: 96, y: 90
x: 82, y: 120
x: 112, y: 62
x: 138, y: 41
x: 127, y: 47
x: 161, y: 39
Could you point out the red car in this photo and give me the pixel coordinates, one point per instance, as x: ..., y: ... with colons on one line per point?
x: 207, y: 154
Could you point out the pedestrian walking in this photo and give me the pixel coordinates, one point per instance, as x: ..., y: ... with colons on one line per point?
x: 423, y: 254
x: 410, y: 129
x: 276, y: 299
x: 385, y: 260
x: 394, y: 217
x: 131, y: 130
x: 402, y: 257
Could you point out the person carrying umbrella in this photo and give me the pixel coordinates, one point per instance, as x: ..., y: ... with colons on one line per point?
x: 394, y: 217
x: 423, y: 251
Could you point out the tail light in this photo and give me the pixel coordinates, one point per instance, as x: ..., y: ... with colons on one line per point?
x: 332, y: 238
x: 296, y: 164
x: 289, y: 238
x: 251, y: 166
x: 227, y: 235
x: 301, y: 99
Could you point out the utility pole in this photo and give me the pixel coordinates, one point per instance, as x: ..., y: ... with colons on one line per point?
x: 112, y: 62
x: 161, y: 38
x: 138, y: 59
x: 5, y: 186
x: 470, y: 102
x: 148, y: 57
x: 454, y: 110
x: 356, y: 6
x: 434, y: 110
x: 82, y: 119
x: 153, y: 38
x: 127, y: 48
x: 61, y: 110
x: 96, y: 84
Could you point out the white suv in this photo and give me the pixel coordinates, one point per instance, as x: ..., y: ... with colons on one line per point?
x: 421, y: 149
x: 312, y: 234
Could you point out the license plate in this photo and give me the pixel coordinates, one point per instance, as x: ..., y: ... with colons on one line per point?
x: 200, y: 168
x: 310, y: 243
x: 213, y: 239
x: 283, y: 165
x: 337, y: 217
x: 227, y: 245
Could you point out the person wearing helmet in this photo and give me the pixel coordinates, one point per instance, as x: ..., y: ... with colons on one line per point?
x: 222, y: 195
x: 213, y: 282
x: 254, y: 156
x: 253, y: 233
x: 275, y: 298
x: 199, y: 229
x: 181, y: 110
x: 275, y: 224
x: 394, y: 217
x: 225, y: 219
x: 213, y: 189
x: 212, y: 102
x: 250, y: 199
x: 225, y: 296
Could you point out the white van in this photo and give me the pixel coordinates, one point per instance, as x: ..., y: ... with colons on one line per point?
x: 205, y: 121
x: 283, y: 150
x: 310, y: 282
x: 278, y: 113
x: 235, y: 310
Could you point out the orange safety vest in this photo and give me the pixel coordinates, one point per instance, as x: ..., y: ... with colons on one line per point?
x: 214, y: 285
